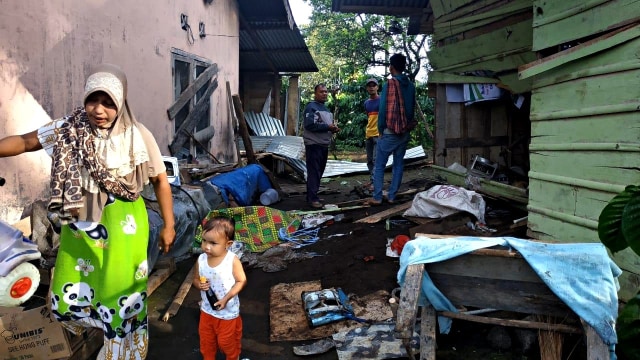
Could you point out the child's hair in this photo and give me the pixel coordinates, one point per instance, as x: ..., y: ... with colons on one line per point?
x: 221, y: 224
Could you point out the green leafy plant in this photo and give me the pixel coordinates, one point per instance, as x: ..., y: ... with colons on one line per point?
x: 619, y: 228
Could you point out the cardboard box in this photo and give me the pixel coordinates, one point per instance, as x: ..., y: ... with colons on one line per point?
x: 31, y: 334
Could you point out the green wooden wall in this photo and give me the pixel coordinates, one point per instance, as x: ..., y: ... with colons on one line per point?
x: 559, y: 22
x: 585, y: 143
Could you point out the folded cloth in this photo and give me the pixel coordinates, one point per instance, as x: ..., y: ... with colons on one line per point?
x: 580, y: 274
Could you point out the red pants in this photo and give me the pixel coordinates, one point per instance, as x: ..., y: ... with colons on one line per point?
x: 215, y: 334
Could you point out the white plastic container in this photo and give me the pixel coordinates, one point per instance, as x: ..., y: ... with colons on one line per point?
x: 269, y: 197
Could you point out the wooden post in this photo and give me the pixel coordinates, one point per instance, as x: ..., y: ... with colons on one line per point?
x: 596, y: 348
x: 244, y: 130
x: 293, y: 105
x: 233, y: 117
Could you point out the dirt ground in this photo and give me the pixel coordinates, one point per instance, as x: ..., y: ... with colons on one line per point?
x: 341, y: 266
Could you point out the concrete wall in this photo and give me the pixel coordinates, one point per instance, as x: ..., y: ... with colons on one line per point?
x: 47, y: 48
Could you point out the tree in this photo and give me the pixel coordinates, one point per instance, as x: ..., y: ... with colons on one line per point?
x: 350, y: 48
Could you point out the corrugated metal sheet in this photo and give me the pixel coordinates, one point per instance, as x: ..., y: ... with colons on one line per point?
x: 269, y: 38
x: 337, y: 167
x: 585, y: 142
x: 261, y: 124
x: 272, y: 139
x: 418, y: 11
x: 286, y: 146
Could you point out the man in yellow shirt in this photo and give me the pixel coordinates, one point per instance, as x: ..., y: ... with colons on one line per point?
x: 371, y: 106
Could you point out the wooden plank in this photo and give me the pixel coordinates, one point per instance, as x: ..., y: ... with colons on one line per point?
x: 518, y: 296
x: 441, y: 77
x: 441, y: 120
x: 372, y: 219
x: 488, y: 187
x: 585, y: 49
x: 191, y: 91
x: 559, y: 22
x: 190, y: 122
x: 477, y: 142
x: 523, y: 324
x: 487, y: 264
x: 442, y: 7
x: 506, y: 44
x: 244, y: 130
x: 473, y: 7
x: 444, y: 29
x: 183, y: 290
x: 233, y: 118
x: 596, y: 348
x: 408, y: 306
x: 162, y: 273
x: 428, y: 321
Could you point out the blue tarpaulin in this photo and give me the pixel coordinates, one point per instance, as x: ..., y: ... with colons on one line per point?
x: 580, y: 274
x: 244, y: 184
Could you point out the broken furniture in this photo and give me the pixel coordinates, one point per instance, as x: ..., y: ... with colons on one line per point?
x: 443, y: 275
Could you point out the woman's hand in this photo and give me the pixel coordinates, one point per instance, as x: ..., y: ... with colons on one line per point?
x: 165, y: 199
x: 167, y: 237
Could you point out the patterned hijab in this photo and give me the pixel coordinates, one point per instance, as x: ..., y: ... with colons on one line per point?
x: 87, y: 165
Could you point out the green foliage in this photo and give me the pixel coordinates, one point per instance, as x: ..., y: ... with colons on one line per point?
x: 618, y: 224
x: 629, y: 329
x: 350, y: 48
x: 619, y: 228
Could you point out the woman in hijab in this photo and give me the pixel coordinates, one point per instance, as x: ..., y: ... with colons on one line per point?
x: 101, y: 160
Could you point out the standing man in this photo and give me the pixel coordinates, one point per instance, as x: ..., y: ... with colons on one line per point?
x: 318, y: 128
x: 371, y: 106
x: 395, y: 122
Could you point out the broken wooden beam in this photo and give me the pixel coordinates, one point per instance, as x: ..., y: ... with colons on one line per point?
x: 244, y: 130
x: 182, y: 293
x: 164, y: 269
x: 372, y: 219
x: 194, y: 115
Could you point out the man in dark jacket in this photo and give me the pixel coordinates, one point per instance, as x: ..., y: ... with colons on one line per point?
x: 395, y: 122
x: 318, y: 128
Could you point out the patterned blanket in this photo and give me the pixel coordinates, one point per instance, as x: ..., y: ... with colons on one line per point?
x: 256, y: 226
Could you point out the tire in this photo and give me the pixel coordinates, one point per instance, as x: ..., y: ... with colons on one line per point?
x: 19, y: 285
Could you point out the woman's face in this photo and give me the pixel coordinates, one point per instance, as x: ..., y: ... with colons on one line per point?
x: 101, y: 110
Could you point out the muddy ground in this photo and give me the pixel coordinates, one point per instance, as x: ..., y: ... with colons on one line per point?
x: 341, y: 266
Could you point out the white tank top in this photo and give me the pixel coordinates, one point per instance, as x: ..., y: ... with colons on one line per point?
x: 221, y: 279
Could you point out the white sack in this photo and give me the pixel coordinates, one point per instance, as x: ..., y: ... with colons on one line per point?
x: 444, y: 200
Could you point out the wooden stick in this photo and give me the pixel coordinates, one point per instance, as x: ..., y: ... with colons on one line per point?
x: 182, y: 293
x: 372, y: 219
x: 244, y: 130
x: 298, y: 212
x: 513, y: 323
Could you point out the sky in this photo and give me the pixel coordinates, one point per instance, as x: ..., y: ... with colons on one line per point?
x: 301, y: 11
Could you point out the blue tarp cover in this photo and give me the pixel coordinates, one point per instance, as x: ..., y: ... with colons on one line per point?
x: 244, y: 184
x: 580, y: 274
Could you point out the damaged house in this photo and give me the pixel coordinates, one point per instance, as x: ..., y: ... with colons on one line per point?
x: 185, y: 61
x: 547, y: 91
